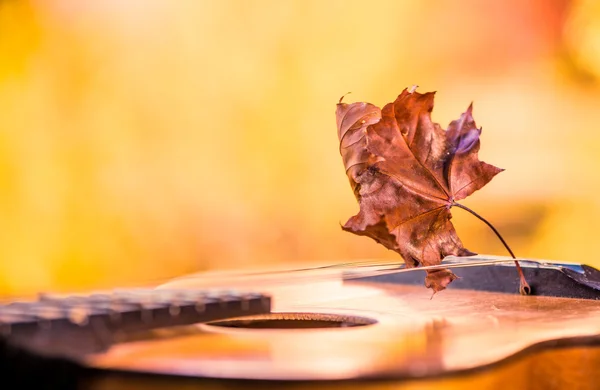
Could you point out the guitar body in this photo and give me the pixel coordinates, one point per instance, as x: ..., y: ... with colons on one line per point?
x: 357, y: 326
x: 370, y: 335
x: 562, y: 368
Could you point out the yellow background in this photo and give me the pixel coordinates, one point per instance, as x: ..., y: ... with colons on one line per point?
x: 140, y: 140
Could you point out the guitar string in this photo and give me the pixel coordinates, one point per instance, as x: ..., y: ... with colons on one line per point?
x: 225, y: 280
x: 319, y: 273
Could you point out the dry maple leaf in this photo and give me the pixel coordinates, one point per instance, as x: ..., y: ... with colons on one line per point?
x: 406, y: 173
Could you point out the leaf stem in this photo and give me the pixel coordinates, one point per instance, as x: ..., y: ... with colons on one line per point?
x: 489, y: 225
x: 524, y: 287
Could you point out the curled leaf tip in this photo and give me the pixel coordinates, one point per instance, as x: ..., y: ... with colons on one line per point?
x: 413, y: 88
x: 343, y: 96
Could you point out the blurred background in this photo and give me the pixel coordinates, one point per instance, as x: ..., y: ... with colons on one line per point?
x: 141, y: 140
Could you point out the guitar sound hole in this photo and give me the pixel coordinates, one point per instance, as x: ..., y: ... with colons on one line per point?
x: 295, y: 321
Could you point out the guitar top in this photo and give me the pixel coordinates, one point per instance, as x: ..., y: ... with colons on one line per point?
x: 350, y: 326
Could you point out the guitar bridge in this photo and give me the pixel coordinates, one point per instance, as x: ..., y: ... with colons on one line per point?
x: 566, y: 280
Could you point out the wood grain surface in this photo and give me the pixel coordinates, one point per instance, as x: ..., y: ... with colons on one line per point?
x: 457, y: 338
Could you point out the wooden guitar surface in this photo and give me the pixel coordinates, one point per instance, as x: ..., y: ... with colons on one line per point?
x: 379, y: 336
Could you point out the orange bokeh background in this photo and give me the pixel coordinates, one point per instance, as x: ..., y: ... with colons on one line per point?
x: 141, y: 140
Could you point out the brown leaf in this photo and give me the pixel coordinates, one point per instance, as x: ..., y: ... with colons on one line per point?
x: 406, y: 173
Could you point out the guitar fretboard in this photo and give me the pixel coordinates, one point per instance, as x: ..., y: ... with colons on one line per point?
x: 78, y: 324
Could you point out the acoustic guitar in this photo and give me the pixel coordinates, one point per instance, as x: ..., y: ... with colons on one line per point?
x: 363, y: 325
